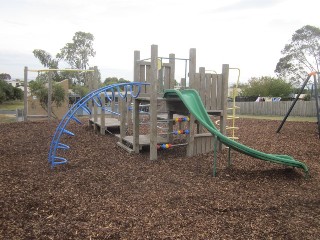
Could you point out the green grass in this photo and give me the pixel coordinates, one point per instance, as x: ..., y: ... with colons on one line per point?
x: 4, y: 118
x: 290, y: 118
x: 12, y: 105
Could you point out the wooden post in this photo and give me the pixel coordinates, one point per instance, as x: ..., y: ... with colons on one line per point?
x: 224, y: 97
x: 170, y: 127
x: 162, y: 79
x: 123, y: 111
x: 172, y: 69
x: 153, y: 102
x: 202, y: 85
x: 202, y: 90
x: 190, y: 137
x: 129, y: 110
x: 25, y: 94
x: 95, y: 116
x: 95, y: 86
x: 136, y: 122
x: 136, y: 71
x: 49, y: 95
x: 183, y: 83
x: 113, y: 104
x: 90, y: 86
x: 103, y: 114
x: 192, y: 66
x: 135, y: 110
x: 192, y: 72
x: 95, y: 77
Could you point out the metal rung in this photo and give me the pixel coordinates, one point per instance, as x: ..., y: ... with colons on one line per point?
x: 68, y: 132
x: 86, y: 109
x: 232, y: 128
x: 233, y: 108
x: 63, y: 146
x: 235, y: 138
x: 232, y: 118
x: 61, y: 160
x: 98, y: 103
x: 76, y: 119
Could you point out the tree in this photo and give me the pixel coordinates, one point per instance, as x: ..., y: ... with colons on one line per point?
x: 38, y: 88
x: 301, y: 56
x: 80, y: 90
x: 77, y: 53
x: 8, y: 92
x: 18, y: 93
x: 47, y: 61
x: 114, y: 80
x: 267, y: 87
x: 2, y: 96
x: 5, y: 76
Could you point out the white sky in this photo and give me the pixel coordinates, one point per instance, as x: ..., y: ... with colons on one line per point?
x: 247, y: 34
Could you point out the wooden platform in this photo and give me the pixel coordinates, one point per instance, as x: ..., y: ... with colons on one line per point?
x: 109, y: 122
x: 165, y: 116
x: 144, y: 140
x: 215, y: 112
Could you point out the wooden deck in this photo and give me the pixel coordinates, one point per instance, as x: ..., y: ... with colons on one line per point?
x: 109, y: 122
x: 144, y: 140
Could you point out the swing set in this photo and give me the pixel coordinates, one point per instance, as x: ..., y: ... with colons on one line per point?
x: 314, y: 92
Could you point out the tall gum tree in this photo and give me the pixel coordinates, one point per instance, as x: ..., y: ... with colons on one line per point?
x: 301, y: 56
x: 78, y: 52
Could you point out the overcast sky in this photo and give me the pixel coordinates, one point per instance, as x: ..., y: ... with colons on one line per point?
x: 247, y: 34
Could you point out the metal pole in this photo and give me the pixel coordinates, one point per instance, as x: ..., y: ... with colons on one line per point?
x: 294, y: 102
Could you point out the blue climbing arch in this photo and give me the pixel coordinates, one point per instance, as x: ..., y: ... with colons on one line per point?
x: 123, y: 89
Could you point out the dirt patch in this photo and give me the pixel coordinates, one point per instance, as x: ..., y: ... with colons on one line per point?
x: 105, y: 193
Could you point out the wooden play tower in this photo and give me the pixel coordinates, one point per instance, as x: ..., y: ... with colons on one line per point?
x: 212, y: 88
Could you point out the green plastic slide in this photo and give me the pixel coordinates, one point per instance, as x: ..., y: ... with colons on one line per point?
x: 192, y: 101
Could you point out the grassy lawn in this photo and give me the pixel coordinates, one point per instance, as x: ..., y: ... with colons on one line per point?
x: 12, y: 105
x: 290, y: 118
x: 6, y: 118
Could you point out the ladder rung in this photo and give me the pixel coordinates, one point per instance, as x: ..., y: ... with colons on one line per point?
x: 232, y: 128
x: 234, y: 138
x: 67, y: 132
x: 231, y: 108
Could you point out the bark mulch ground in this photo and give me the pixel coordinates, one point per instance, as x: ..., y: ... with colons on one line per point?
x: 106, y: 193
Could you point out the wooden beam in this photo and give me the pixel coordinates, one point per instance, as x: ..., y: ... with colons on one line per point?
x: 49, y: 95
x: 192, y: 66
x: 153, y: 102
x: 103, y: 114
x: 25, y: 94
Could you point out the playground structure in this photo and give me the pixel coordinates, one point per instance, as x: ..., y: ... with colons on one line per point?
x: 316, y: 95
x: 154, y: 76
x: 161, y: 76
x: 153, y: 85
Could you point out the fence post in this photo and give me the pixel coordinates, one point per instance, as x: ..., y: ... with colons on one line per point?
x: 25, y: 94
